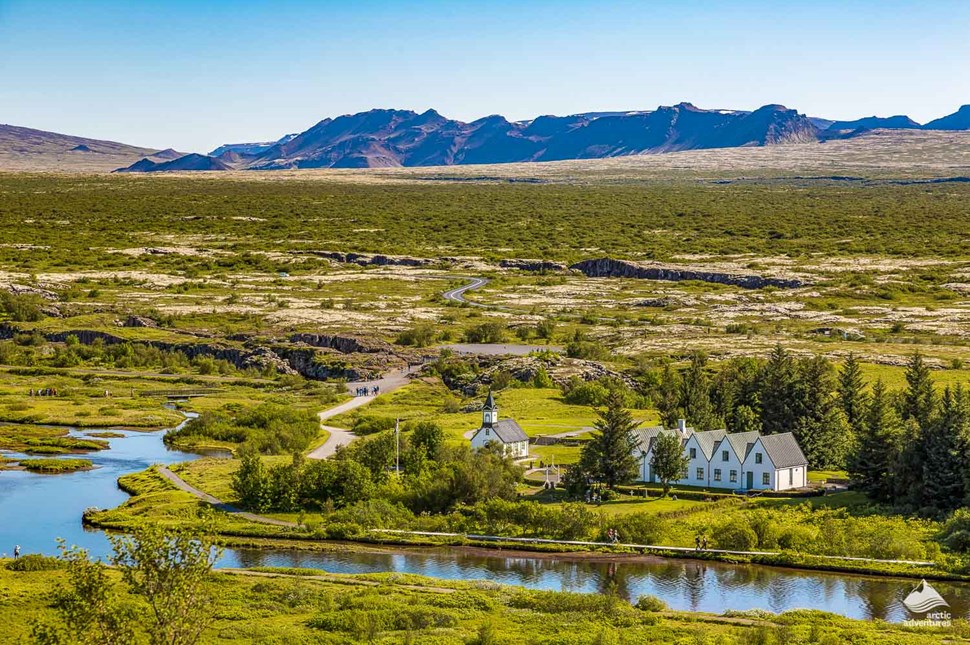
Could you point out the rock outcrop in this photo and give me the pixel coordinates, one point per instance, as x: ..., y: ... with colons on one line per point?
x: 532, y: 265
x: 344, y: 344
x: 610, y: 268
x: 366, y: 259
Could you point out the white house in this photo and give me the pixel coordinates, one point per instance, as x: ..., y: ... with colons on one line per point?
x: 741, y: 460
x: 505, y: 431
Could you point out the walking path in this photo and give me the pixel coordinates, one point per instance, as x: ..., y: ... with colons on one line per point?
x: 219, y: 504
x: 342, y: 437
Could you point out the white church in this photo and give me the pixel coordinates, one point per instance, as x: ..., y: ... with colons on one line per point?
x: 740, y: 460
x: 506, y: 432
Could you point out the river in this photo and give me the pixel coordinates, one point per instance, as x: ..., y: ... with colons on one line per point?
x: 36, y: 509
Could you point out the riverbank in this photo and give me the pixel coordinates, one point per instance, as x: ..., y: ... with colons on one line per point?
x: 286, y: 605
x: 157, y: 499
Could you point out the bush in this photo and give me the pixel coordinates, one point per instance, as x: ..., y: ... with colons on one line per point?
x: 736, y: 535
x: 650, y: 603
x: 372, y: 425
x: 486, y: 332
x: 35, y: 562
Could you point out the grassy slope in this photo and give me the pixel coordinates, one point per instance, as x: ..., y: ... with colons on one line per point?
x: 305, y: 606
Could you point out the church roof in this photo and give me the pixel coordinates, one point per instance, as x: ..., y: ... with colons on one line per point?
x: 507, y: 431
x: 489, y: 402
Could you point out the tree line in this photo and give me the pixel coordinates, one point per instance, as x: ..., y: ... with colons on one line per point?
x: 909, y: 448
x: 434, y: 477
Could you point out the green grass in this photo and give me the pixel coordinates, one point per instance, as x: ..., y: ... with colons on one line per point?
x: 538, y: 411
x: 303, y: 606
x: 55, y: 466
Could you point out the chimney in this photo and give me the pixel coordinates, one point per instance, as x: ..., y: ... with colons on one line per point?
x: 682, y: 426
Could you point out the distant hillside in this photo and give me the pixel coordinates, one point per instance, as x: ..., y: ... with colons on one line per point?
x: 27, y: 149
x: 192, y: 161
x: 243, y: 149
x: 959, y: 120
x: 393, y: 138
x: 873, y: 122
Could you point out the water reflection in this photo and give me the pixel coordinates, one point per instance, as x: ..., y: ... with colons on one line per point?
x: 35, y: 509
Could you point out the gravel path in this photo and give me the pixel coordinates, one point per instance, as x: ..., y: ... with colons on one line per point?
x: 218, y: 503
x: 342, y: 437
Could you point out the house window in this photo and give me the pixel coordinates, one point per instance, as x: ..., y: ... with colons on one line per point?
x: 700, y: 473
x: 734, y: 477
x: 486, y: 432
x: 757, y: 457
x: 724, y: 455
x: 717, y: 474
x: 766, y: 479
x: 693, y: 453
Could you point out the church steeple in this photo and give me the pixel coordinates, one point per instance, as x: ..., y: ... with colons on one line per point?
x: 489, y: 410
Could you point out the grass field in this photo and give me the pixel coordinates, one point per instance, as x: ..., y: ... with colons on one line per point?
x: 302, y: 606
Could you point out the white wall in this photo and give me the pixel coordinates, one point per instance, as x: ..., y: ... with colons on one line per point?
x: 732, y: 463
x: 487, y: 435
x: 798, y: 476
x: 700, y: 461
x: 758, y: 470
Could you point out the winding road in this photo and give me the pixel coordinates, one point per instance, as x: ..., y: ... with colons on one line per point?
x: 458, y: 293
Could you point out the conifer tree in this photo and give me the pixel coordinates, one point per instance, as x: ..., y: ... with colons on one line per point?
x: 819, y: 425
x: 944, y: 445
x: 852, y: 395
x: 608, y: 457
x: 777, y: 392
x: 875, y: 447
x: 695, y: 395
x: 908, y: 471
x: 919, y: 400
x: 668, y: 397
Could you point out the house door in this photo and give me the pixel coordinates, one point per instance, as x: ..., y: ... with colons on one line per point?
x: 750, y: 480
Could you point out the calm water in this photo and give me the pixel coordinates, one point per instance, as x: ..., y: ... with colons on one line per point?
x: 37, y: 509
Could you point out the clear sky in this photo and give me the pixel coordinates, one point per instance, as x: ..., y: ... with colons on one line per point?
x: 194, y: 74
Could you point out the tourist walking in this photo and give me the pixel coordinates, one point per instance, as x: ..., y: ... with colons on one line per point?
x: 16, y: 551
x: 704, y: 543
x: 697, y: 542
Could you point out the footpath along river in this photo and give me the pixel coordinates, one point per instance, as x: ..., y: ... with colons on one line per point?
x: 36, y: 509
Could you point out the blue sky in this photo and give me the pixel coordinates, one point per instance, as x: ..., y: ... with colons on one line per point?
x: 192, y: 75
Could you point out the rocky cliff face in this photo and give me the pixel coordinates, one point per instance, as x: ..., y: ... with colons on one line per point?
x: 610, y: 268
x: 313, y: 356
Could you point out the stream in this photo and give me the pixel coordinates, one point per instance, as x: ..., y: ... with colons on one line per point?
x: 37, y: 509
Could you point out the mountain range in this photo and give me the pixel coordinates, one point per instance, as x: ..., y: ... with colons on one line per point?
x: 392, y: 138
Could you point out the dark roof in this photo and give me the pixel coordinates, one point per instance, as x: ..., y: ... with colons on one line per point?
x: 708, y: 440
x: 783, y: 450
x: 489, y: 402
x: 741, y: 442
x: 507, y: 430
x: 644, y: 437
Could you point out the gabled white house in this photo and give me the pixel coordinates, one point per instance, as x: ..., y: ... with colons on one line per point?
x: 507, y: 432
x: 718, y: 459
x: 776, y: 462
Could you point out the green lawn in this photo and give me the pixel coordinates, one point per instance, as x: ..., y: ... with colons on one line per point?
x: 538, y: 411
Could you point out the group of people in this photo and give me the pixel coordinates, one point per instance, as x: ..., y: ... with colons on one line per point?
x: 363, y: 390
x: 45, y: 391
x: 613, y: 536
x: 700, y: 542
